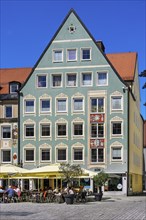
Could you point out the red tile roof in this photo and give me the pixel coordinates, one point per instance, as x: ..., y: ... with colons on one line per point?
x: 10, y: 75
x: 124, y: 63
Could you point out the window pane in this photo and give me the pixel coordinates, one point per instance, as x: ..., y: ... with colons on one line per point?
x: 13, y: 88
x: 61, y: 105
x: 57, y: 81
x: 86, y: 54
x: 41, y: 81
x: 116, y: 128
x: 71, y: 80
x: 100, y: 105
x: 102, y: 79
x: 45, y: 130
x: 45, y: 105
x: 29, y: 129
x: 6, y: 132
x: 86, y: 79
x: 72, y: 54
x: 29, y: 106
x: 78, y: 154
x: 78, y: 129
x: 116, y: 153
x: 100, y: 155
x: 61, y: 154
x: 45, y: 154
x: 61, y: 130
x: 29, y: 155
x: 78, y: 104
x: 116, y: 103
x: 100, y: 130
x: 93, y: 105
x: 6, y: 156
x: 93, y: 155
x: 8, y: 113
x: 93, y: 130
x: 58, y: 55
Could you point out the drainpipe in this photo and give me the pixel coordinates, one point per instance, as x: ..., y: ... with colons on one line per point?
x: 128, y: 142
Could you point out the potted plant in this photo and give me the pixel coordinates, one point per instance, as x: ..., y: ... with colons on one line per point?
x: 100, y: 180
x: 70, y: 171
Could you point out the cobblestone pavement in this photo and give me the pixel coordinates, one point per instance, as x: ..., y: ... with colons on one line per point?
x: 110, y: 208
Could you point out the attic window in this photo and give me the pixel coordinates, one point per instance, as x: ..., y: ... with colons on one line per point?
x: 14, y: 86
x: 71, y: 28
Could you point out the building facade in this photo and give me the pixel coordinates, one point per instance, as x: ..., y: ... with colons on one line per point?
x: 76, y: 106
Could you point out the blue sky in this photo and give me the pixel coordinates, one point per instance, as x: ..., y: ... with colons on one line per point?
x: 27, y: 26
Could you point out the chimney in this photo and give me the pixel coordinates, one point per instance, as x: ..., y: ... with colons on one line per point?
x: 100, y: 45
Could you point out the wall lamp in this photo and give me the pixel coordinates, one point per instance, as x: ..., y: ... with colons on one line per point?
x: 125, y: 89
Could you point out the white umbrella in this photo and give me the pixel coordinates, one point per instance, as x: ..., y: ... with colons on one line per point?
x: 10, y: 170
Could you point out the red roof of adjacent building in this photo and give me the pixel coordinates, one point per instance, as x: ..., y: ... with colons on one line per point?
x: 124, y: 63
x: 10, y: 75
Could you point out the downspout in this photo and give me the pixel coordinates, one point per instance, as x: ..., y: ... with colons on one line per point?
x: 18, y: 127
x: 128, y: 142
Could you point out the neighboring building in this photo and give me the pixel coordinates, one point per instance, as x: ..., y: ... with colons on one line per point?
x: 10, y: 82
x: 81, y: 105
x: 144, y: 158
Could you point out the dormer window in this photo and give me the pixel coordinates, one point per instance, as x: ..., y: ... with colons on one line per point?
x: 14, y: 86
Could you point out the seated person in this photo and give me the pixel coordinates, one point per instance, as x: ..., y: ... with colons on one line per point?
x: 10, y: 192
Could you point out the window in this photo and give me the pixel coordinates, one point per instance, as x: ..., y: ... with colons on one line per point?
x: 86, y: 54
x: 78, y: 154
x: 77, y: 104
x: 78, y: 129
x: 41, y: 81
x: 86, y: 79
x: 61, y: 130
x: 14, y: 87
x: 29, y: 106
x: 8, y: 111
x: 61, y: 105
x: 6, y: 132
x: 61, y: 154
x: 116, y: 103
x: 6, y: 156
x: 101, y: 79
x: 97, y: 105
x: 116, y: 128
x: 29, y: 130
x: 56, y: 81
x: 45, y: 155
x: 116, y: 153
x: 45, y: 130
x: 97, y: 130
x: 72, y: 55
x: 97, y: 155
x: 44, y: 105
x: 57, y: 56
x: 29, y: 155
x: 71, y: 80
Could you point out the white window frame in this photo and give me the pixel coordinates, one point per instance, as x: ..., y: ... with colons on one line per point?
x: 97, y: 130
x: 73, y: 102
x: 53, y: 52
x: 70, y: 74
x: 34, y: 106
x: 118, y: 146
x: 116, y: 135
x: 44, y: 137
x: 116, y: 109
x: 24, y: 128
x: 63, y: 136
x: 37, y: 82
x: 83, y: 130
x: 29, y: 148
x: 14, y: 84
x: 81, y: 52
x: 86, y: 73
x: 61, y: 148
x: 97, y: 99
x: 66, y: 105
x: 40, y: 106
x: 97, y: 81
x: 78, y: 148
x: 99, y: 162
x: 3, y: 126
x: 45, y: 148
x: 67, y: 54
x: 61, y: 82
